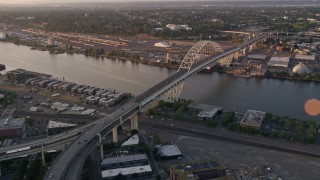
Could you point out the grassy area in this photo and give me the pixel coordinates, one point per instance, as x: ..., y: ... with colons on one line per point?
x: 8, y: 99
x: 178, y: 111
x: 61, y: 97
x: 275, y: 126
x: 282, y: 127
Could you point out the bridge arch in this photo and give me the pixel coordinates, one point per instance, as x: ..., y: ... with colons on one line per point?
x: 199, y: 51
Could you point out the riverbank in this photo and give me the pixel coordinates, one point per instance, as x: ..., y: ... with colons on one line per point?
x: 59, y: 50
x: 275, y: 126
x: 270, y: 95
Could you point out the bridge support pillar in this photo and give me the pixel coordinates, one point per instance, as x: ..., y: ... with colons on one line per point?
x: 115, y: 134
x: 134, y: 122
x: 250, y: 48
x: 42, y: 156
x: 236, y: 55
x: 101, y: 147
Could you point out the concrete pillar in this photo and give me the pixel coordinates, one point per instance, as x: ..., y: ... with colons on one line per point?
x: 42, y: 155
x: 121, y: 120
x: 134, y: 122
x: 115, y: 134
x: 250, y: 47
x: 101, y: 147
x: 236, y: 55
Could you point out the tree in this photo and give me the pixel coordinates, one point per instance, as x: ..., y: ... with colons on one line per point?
x: 274, y: 133
x: 228, y: 118
x: 178, y: 114
x: 21, y: 169
x: 134, y: 131
x: 119, y: 177
x: 151, y: 111
x: 269, y: 115
x: 35, y: 169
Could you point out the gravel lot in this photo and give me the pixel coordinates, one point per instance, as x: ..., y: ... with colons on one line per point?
x: 286, y: 165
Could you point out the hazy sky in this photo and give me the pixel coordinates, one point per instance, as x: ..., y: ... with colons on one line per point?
x: 75, y: 1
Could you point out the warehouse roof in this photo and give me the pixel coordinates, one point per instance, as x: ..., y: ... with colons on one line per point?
x: 305, y: 57
x: 126, y: 171
x: 134, y: 140
x: 121, y: 159
x: 169, y: 150
x: 279, y: 62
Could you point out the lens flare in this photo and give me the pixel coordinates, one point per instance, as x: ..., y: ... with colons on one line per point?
x: 312, y: 107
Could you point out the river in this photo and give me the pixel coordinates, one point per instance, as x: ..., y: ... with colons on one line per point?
x: 281, y: 97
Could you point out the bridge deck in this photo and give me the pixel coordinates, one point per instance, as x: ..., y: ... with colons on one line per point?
x: 86, y: 139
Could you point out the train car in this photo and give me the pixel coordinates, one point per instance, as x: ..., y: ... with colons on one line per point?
x: 18, y: 150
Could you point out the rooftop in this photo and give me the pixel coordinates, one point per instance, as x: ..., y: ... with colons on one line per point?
x: 88, y: 111
x: 253, y: 118
x: 208, y: 113
x: 122, y: 159
x: 134, y: 140
x: 200, y: 106
x: 56, y: 124
x: 60, y: 106
x: 169, y: 150
x: 126, y: 171
x: 12, y: 123
x: 198, y: 166
x: 279, y: 62
x: 305, y: 57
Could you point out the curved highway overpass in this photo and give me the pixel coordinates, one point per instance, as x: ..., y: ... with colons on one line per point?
x: 69, y: 163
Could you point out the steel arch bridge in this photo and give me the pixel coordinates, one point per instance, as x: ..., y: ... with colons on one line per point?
x: 70, y: 161
x: 198, y: 52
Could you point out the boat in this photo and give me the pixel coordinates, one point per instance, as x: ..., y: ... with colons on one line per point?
x: 207, y: 69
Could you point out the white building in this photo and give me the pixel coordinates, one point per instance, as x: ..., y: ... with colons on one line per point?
x: 172, y: 27
x: 169, y: 151
x: 208, y: 114
x: 176, y: 27
x: 3, y: 35
x: 278, y: 64
x: 59, y: 106
x: 300, y: 69
x: 55, y: 127
x: 253, y: 119
x: 134, y: 140
x: 305, y: 57
x: 162, y: 44
x: 88, y: 112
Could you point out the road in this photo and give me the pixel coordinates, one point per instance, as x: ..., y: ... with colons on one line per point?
x: 237, y: 137
x: 86, y: 141
x: 53, y: 139
x: 61, y: 166
x: 69, y: 162
x: 56, y: 146
x: 160, y: 87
